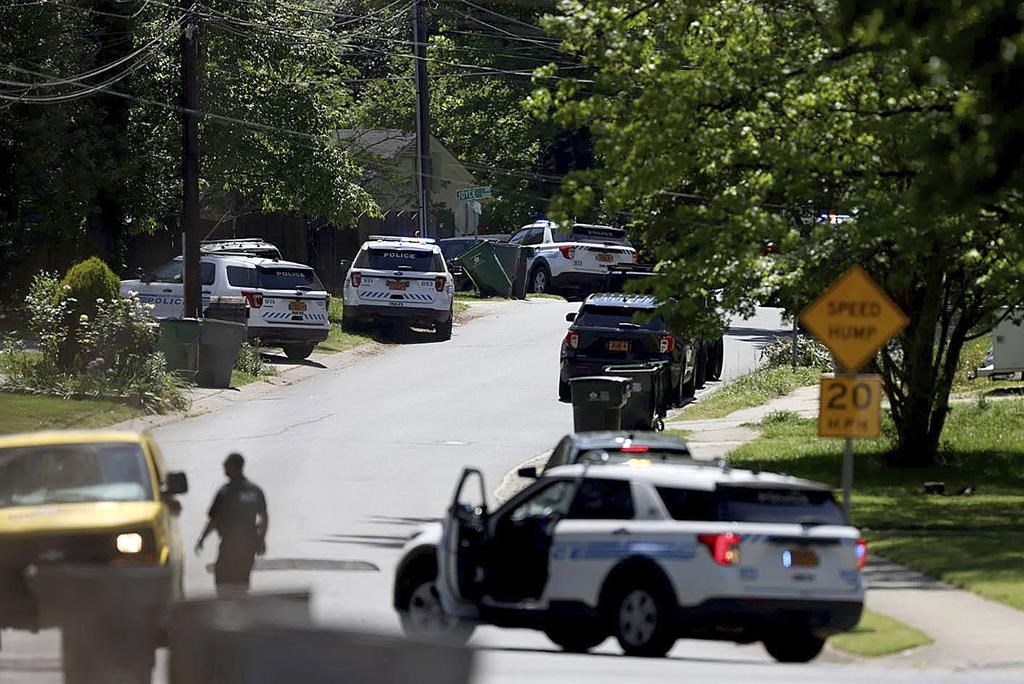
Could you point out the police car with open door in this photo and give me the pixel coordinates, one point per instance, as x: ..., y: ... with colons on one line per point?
x: 644, y: 551
x: 400, y: 279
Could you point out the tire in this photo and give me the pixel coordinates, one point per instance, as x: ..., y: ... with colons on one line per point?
x: 298, y: 352
x: 564, y: 391
x: 793, y: 647
x: 642, y: 621
x: 422, y: 616
x: 578, y: 638
x: 700, y: 368
x: 686, y: 389
x: 718, y: 360
x: 540, y: 279
x: 444, y: 330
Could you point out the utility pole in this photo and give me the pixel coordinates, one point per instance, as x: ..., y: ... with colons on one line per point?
x: 423, y: 162
x: 190, y: 161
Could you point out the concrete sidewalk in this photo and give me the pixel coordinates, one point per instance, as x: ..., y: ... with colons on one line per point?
x: 970, y: 632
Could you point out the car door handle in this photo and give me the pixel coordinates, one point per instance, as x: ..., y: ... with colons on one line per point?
x: 621, y: 531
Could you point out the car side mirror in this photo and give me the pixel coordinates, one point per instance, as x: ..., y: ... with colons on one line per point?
x: 529, y: 473
x: 570, y: 317
x: 176, y: 483
x: 143, y: 276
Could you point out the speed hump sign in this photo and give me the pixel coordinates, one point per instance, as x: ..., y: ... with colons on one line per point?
x: 851, y: 407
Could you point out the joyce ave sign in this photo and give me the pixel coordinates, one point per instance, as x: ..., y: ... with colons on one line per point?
x: 854, y: 319
x: 473, y: 193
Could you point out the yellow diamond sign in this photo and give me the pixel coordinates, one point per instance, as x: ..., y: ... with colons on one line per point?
x: 854, y: 319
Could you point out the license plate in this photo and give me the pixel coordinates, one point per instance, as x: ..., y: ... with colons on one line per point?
x: 604, y: 258
x: 297, y: 306
x: 399, y: 285
x: 618, y: 345
x: 799, y: 559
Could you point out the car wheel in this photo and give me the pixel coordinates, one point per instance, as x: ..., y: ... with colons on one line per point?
x: 718, y: 360
x: 793, y: 647
x: 687, y: 388
x: 424, y: 618
x: 700, y: 368
x: 298, y: 352
x: 540, y: 279
x: 564, y: 391
x: 576, y: 638
x: 444, y: 330
x: 642, y: 620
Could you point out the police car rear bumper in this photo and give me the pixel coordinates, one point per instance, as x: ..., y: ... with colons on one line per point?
x: 270, y: 335
x: 750, y: 619
x: 578, y: 280
x: 365, y: 312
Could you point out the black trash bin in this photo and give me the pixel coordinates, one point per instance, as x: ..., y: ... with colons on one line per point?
x: 513, y: 259
x: 219, y: 344
x: 645, y: 407
x: 597, y: 402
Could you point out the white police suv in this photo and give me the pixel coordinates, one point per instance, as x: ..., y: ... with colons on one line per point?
x: 399, y: 279
x: 288, y: 305
x: 572, y: 259
x: 644, y: 551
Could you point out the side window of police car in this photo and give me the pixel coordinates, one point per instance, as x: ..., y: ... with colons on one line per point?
x: 603, y: 500
x: 240, y: 276
x: 172, y: 272
x: 518, y: 238
x: 553, y: 499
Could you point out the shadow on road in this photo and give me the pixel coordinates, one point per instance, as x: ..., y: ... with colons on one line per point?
x: 390, y: 520
x: 759, y: 337
x: 884, y: 575
x: 680, y: 659
x: 380, y: 541
x: 282, y: 360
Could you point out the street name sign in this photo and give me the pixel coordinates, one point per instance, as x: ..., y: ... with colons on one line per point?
x: 851, y: 407
x: 473, y: 193
x: 854, y: 319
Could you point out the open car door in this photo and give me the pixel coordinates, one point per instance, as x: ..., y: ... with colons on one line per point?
x: 460, y: 572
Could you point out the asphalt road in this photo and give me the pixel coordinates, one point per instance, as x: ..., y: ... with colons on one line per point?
x: 353, y: 460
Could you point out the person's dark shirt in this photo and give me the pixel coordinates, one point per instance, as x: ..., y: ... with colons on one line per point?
x: 235, y: 508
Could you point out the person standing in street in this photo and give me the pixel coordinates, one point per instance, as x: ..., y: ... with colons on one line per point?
x: 239, y: 514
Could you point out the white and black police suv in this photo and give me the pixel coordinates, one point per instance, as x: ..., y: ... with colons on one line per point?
x: 399, y: 279
x: 645, y: 551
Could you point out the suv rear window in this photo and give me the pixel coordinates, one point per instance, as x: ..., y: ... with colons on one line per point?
x: 612, y: 316
x: 287, y: 278
x: 780, y: 505
x: 397, y: 259
x: 599, y: 235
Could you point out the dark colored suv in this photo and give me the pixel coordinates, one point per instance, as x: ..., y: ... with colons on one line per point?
x: 615, y: 329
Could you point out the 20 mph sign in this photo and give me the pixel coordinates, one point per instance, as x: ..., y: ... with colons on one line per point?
x: 851, y: 407
x: 854, y: 319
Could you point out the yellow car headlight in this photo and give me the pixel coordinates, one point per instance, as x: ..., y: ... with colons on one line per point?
x: 129, y: 542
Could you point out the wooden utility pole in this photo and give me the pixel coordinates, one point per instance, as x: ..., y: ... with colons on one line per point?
x: 424, y: 171
x: 190, y: 227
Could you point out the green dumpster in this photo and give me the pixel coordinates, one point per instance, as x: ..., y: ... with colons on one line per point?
x: 179, y: 342
x: 485, y: 270
x: 513, y: 259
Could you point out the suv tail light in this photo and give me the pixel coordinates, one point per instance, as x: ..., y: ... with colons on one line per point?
x: 724, y: 548
x: 568, y: 251
x: 636, y: 257
x: 255, y: 299
x: 439, y: 283
x: 862, y: 553
x: 572, y: 339
x: 356, y: 278
x: 667, y: 344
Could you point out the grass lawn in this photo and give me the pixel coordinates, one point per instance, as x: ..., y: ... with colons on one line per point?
x: 755, y: 389
x: 974, y: 542
x: 878, y: 635
x: 24, y: 413
x: 337, y: 340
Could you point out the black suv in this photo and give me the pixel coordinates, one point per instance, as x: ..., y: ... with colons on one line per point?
x: 613, y: 329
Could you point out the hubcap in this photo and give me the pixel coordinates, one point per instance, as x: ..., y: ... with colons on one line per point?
x: 425, y: 613
x: 638, y: 618
x: 540, y: 282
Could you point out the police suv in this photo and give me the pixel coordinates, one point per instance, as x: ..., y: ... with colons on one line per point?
x: 288, y: 305
x: 642, y: 550
x: 400, y: 279
x: 573, y: 259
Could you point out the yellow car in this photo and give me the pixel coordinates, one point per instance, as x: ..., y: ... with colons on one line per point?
x: 89, y: 540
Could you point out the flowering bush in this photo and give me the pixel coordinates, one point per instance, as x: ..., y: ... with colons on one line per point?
x: 809, y: 353
x: 113, y: 351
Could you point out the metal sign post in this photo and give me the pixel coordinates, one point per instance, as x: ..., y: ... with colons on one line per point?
x: 854, y: 319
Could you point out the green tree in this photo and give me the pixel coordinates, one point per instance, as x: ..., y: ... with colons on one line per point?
x: 723, y: 125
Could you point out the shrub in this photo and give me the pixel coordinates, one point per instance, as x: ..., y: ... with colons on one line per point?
x: 809, y: 353
x: 89, y: 282
x: 249, y: 359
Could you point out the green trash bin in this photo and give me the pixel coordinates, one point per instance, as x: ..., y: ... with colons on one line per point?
x: 179, y: 342
x: 597, y: 402
x: 219, y: 344
x: 645, y: 408
x: 513, y: 259
x: 484, y: 268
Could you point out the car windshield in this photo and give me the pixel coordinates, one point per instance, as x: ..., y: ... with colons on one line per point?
x: 780, y: 505
x: 288, y: 278
x: 619, y: 317
x: 398, y: 259
x: 73, y: 473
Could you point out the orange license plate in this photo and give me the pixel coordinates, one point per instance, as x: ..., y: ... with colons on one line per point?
x: 618, y: 345
x: 297, y: 306
x: 399, y: 285
x: 800, y: 559
x: 604, y: 258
